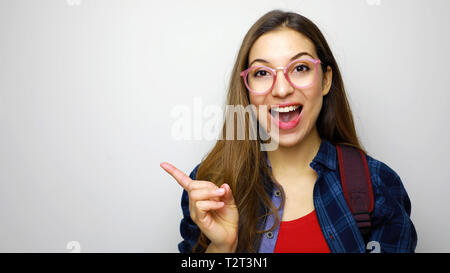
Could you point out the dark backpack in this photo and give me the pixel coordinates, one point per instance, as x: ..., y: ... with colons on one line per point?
x: 357, y: 186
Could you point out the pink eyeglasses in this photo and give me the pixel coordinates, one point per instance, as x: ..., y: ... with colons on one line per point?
x: 300, y: 73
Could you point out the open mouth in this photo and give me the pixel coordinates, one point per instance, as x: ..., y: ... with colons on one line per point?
x: 286, y: 114
x: 286, y: 117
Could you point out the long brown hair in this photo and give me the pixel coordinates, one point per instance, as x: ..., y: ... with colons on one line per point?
x: 241, y: 163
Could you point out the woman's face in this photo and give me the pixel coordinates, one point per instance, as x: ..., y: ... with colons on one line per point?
x: 277, y: 48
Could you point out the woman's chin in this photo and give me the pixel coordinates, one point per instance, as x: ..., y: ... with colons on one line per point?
x: 288, y: 140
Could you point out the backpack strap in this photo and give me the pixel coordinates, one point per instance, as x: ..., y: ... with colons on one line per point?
x: 357, y: 186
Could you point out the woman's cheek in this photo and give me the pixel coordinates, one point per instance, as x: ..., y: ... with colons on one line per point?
x: 261, y: 109
x: 316, y: 105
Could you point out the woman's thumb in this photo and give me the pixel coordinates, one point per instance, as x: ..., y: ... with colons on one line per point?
x: 228, y: 196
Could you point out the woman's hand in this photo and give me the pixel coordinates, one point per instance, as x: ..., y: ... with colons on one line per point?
x: 211, y: 208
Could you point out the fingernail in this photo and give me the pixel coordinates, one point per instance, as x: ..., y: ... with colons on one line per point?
x: 220, y: 190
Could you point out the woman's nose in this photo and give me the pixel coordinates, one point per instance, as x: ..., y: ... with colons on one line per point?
x: 282, y: 87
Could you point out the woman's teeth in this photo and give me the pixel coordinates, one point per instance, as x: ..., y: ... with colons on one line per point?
x: 286, y: 117
x: 285, y: 109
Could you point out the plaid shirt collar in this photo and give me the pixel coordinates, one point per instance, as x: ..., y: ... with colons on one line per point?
x: 326, y: 156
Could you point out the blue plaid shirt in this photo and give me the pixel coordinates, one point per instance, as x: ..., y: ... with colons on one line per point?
x: 391, y: 224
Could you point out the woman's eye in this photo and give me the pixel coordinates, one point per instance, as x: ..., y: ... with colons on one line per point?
x: 301, y: 68
x: 260, y: 73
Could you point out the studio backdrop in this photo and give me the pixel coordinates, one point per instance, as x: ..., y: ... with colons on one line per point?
x: 91, y: 92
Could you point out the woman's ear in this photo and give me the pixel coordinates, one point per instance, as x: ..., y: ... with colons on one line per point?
x: 327, y: 79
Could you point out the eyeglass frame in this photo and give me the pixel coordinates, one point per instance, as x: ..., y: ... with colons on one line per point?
x: 274, y: 75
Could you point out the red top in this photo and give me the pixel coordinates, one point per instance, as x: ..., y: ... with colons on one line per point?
x: 302, y: 235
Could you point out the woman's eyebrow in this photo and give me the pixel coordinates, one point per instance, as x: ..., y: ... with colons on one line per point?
x: 293, y: 58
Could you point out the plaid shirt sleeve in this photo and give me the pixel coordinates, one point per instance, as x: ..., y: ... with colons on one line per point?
x: 392, y: 227
x: 188, y: 229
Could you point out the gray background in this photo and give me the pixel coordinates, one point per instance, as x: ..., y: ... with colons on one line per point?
x: 87, y: 88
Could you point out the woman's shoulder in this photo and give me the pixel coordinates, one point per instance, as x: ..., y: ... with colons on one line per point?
x: 381, y: 173
x: 387, y: 183
x: 391, y: 222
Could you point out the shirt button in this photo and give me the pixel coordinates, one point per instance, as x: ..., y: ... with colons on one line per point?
x: 269, y: 235
x: 277, y: 193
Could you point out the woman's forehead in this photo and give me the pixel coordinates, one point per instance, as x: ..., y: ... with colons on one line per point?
x: 279, y: 46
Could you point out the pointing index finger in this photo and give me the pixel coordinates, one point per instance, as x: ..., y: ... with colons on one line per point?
x: 179, y: 176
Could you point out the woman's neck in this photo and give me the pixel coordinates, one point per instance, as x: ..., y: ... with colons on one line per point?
x: 295, y: 160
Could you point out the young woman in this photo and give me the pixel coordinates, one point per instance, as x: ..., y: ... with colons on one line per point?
x: 285, y: 65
